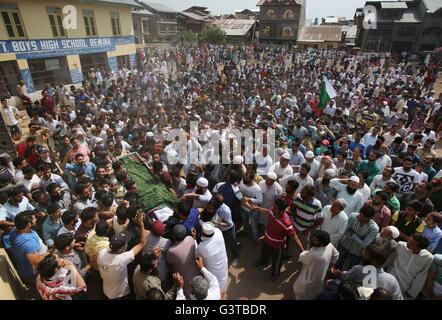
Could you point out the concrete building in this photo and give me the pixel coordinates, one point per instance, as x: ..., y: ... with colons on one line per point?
x: 281, y: 20
x: 141, y: 20
x: 406, y: 25
x: 163, y: 26
x: 36, y: 47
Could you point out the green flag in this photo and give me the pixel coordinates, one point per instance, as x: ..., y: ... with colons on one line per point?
x: 327, y: 93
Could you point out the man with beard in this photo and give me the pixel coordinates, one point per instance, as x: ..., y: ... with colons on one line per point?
x: 382, y: 216
x: 302, y: 177
x: 349, y: 193
x: 27, y: 247
x: 361, y: 232
x: 421, y: 193
x: 59, y: 196
x: 52, y: 224
x: 16, y: 203
x: 380, y: 180
x: 85, y: 200
x: 406, y: 177
x: 323, y: 191
x: 201, y: 196
x: 386, y: 240
x: 411, y: 264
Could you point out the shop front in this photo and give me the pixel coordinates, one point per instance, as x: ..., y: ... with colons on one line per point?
x: 38, y: 62
x: 49, y: 70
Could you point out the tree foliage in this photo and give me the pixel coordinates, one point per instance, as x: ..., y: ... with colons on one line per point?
x: 212, y: 35
x: 188, y: 36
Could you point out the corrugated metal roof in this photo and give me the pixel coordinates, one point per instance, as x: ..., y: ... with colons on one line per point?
x: 235, y: 27
x: 143, y: 12
x: 195, y: 16
x: 159, y: 7
x: 321, y: 33
x: 394, y: 5
x: 122, y: 2
x: 432, y: 5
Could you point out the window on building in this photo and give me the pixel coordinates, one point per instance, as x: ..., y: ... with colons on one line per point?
x: 162, y: 28
x: 287, y: 32
x: 145, y: 25
x: 89, y: 23
x: 12, y: 20
x: 266, y: 31
x: 115, y: 22
x: 288, y: 14
x: 56, y: 21
x: 49, y: 70
x: 271, y: 14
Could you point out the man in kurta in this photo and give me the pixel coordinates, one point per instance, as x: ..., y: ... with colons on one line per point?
x: 181, y: 256
x: 213, y: 251
x: 316, y: 262
x: 411, y: 265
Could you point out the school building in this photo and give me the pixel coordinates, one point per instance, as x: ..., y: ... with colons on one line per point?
x: 44, y: 41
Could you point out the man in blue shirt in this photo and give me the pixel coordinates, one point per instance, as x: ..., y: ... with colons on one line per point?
x: 80, y: 165
x: 432, y: 231
x: 188, y: 217
x: 27, y: 247
x: 82, y: 99
x: 16, y: 203
x: 52, y: 224
x: 358, y: 144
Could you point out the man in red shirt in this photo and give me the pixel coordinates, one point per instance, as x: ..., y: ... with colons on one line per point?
x: 48, y: 103
x: 279, y: 226
x: 22, y: 147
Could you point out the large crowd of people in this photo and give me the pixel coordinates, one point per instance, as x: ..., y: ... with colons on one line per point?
x: 354, y: 182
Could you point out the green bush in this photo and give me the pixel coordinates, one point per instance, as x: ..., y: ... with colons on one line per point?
x: 188, y: 36
x: 212, y: 35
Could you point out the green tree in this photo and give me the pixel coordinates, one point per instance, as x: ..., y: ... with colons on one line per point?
x: 212, y: 35
x: 188, y: 36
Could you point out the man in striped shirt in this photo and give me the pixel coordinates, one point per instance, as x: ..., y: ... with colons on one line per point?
x: 279, y: 226
x: 361, y: 232
x: 306, y: 213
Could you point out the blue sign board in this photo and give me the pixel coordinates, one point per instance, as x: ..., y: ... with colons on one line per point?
x: 133, y: 61
x: 43, y: 48
x: 113, y: 63
x: 76, y: 76
x: 27, y: 78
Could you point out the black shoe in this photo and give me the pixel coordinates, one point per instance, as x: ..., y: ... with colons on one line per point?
x: 258, y: 264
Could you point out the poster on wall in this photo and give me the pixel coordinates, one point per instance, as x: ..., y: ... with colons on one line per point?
x: 52, y: 64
